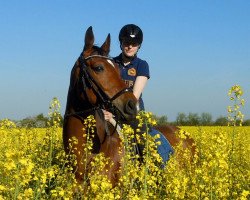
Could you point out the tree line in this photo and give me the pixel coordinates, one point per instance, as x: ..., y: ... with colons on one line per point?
x: 194, y: 119
x: 182, y: 119
x: 38, y: 121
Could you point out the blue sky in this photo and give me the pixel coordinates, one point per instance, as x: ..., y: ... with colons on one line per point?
x: 196, y: 51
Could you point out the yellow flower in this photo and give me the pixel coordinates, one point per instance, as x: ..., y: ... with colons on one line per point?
x: 61, y: 193
x: 10, y: 165
x: 2, y: 188
x: 245, y: 195
x: 28, y: 193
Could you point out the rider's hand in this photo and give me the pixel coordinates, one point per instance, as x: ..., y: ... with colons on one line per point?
x: 108, y: 116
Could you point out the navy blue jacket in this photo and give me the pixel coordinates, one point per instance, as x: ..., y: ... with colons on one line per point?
x: 137, y: 67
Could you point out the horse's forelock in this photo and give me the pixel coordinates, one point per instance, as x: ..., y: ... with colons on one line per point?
x: 98, y: 51
x: 95, y: 50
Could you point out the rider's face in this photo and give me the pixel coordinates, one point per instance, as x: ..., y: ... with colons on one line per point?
x: 130, y: 49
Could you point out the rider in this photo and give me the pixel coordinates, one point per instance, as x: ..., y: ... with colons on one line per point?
x: 134, y: 71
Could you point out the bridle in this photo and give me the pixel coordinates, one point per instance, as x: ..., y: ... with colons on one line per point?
x: 106, y: 102
x: 88, y: 81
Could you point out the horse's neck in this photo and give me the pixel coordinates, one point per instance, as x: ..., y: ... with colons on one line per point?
x: 75, y: 104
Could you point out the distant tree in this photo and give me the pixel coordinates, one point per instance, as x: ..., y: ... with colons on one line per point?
x: 181, y: 119
x: 221, y: 121
x: 27, y: 122
x: 246, y: 123
x: 38, y: 121
x: 206, y: 119
x: 163, y: 120
x: 41, y: 117
x: 193, y: 119
x: 41, y: 120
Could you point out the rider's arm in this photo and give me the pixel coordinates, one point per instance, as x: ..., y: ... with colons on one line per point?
x: 140, y: 83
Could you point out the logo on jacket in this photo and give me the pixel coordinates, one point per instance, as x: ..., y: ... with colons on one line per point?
x: 132, y: 72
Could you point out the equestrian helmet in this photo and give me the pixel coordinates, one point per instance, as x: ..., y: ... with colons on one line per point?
x: 131, y: 33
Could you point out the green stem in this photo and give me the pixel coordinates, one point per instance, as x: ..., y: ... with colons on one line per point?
x: 146, y: 163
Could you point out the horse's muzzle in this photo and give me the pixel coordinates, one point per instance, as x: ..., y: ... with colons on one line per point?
x: 130, y: 108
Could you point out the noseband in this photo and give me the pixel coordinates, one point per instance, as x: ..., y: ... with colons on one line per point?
x: 88, y: 81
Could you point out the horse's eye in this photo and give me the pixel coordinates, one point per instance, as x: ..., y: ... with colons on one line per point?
x: 98, y: 68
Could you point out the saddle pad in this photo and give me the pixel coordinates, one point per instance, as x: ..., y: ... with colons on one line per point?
x: 164, y: 149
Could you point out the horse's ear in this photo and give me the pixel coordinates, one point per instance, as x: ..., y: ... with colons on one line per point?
x: 89, y: 39
x: 106, y: 45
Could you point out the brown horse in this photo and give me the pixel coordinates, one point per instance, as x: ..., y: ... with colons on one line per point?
x: 95, y: 84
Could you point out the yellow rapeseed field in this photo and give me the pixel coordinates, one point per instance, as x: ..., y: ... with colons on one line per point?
x: 33, y: 165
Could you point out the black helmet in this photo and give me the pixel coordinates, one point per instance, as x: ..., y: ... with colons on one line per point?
x: 131, y: 33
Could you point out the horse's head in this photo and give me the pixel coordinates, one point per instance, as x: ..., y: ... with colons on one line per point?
x: 99, y: 82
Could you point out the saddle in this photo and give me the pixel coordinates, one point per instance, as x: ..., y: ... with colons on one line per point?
x: 164, y: 149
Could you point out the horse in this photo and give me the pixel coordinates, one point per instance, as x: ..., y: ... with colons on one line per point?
x: 96, y: 84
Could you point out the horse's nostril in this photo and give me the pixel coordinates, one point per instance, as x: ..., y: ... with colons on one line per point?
x: 130, y: 107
